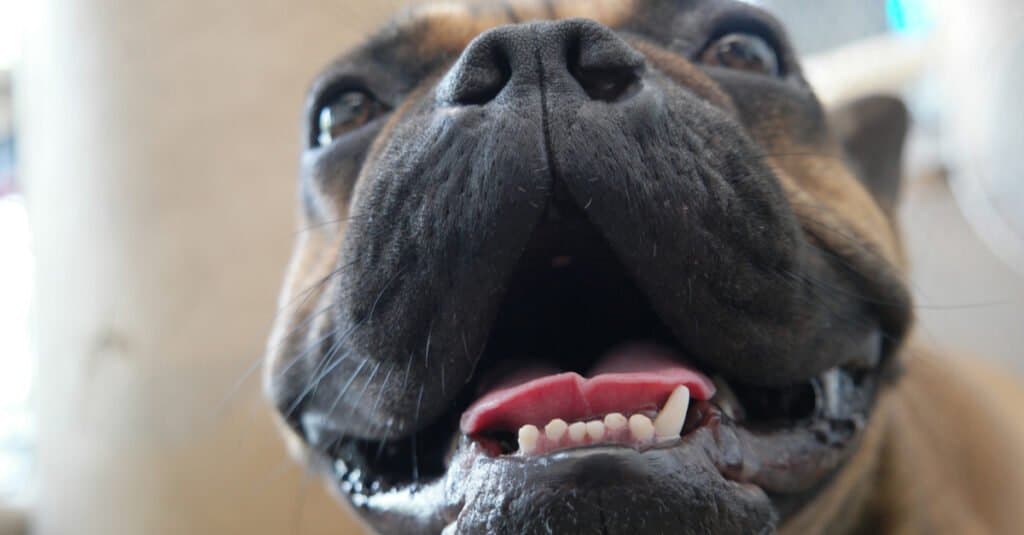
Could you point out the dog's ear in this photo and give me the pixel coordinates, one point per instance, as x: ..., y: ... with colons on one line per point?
x: 872, y: 131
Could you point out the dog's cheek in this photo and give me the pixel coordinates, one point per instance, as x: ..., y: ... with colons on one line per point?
x: 301, y: 314
x: 786, y: 120
x: 830, y: 195
x: 440, y: 188
x: 838, y: 508
x: 684, y: 73
x: 328, y: 176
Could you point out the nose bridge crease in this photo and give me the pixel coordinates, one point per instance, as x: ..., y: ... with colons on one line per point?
x: 545, y: 123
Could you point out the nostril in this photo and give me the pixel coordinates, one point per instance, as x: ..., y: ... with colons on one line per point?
x: 605, y: 66
x: 478, y: 77
x: 609, y: 85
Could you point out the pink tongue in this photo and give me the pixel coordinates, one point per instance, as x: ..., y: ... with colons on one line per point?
x: 633, y: 379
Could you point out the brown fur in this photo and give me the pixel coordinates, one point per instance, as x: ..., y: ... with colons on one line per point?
x: 944, y: 455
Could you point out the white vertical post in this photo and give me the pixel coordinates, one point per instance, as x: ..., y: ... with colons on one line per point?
x: 159, y: 142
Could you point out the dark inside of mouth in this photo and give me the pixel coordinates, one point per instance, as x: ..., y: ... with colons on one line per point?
x: 366, y: 466
x: 569, y: 302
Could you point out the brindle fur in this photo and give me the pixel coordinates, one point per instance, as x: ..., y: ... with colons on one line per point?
x: 942, y: 451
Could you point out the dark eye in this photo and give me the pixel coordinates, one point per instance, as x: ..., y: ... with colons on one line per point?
x: 344, y: 113
x: 742, y: 51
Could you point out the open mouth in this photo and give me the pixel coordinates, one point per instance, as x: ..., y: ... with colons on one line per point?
x: 579, y: 363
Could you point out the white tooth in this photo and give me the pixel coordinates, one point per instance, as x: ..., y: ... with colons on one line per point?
x: 577, y: 431
x: 528, y: 435
x: 595, y: 429
x: 615, y: 422
x: 555, y: 429
x: 641, y: 427
x: 669, y: 421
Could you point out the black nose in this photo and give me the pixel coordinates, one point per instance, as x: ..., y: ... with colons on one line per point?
x: 601, y: 64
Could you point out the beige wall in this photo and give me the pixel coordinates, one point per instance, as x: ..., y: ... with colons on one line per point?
x: 160, y: 143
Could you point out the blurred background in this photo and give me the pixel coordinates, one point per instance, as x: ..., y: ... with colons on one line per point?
x: 147, y: 160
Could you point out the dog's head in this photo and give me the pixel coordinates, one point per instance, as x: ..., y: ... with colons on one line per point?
x: 524, y: 216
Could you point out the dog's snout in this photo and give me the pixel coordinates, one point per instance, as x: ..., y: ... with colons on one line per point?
x: 588, y: 54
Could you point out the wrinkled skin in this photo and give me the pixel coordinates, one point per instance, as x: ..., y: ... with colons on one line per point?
x: 724, y: 193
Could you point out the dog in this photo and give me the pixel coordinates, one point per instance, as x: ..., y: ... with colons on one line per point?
x: 601, y: 266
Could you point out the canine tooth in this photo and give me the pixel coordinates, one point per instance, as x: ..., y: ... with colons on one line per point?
x: 641, y: 427
x: 595, y: 429
x: 528, y: 435
x: 669, y: 421
x: 555, y: 429
x: 615, y: 422
x: 577, y: 431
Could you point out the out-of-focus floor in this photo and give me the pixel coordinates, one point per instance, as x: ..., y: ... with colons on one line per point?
x: 967, y: 299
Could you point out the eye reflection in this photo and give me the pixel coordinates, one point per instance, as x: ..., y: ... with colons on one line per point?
x: 345, y: 113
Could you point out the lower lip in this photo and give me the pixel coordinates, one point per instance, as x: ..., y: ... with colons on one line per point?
x: 478, y: 480
x: 472, y: 460
x: 770, y: 470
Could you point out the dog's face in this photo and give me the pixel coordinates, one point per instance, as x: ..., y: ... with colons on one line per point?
x: 537, y: 214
